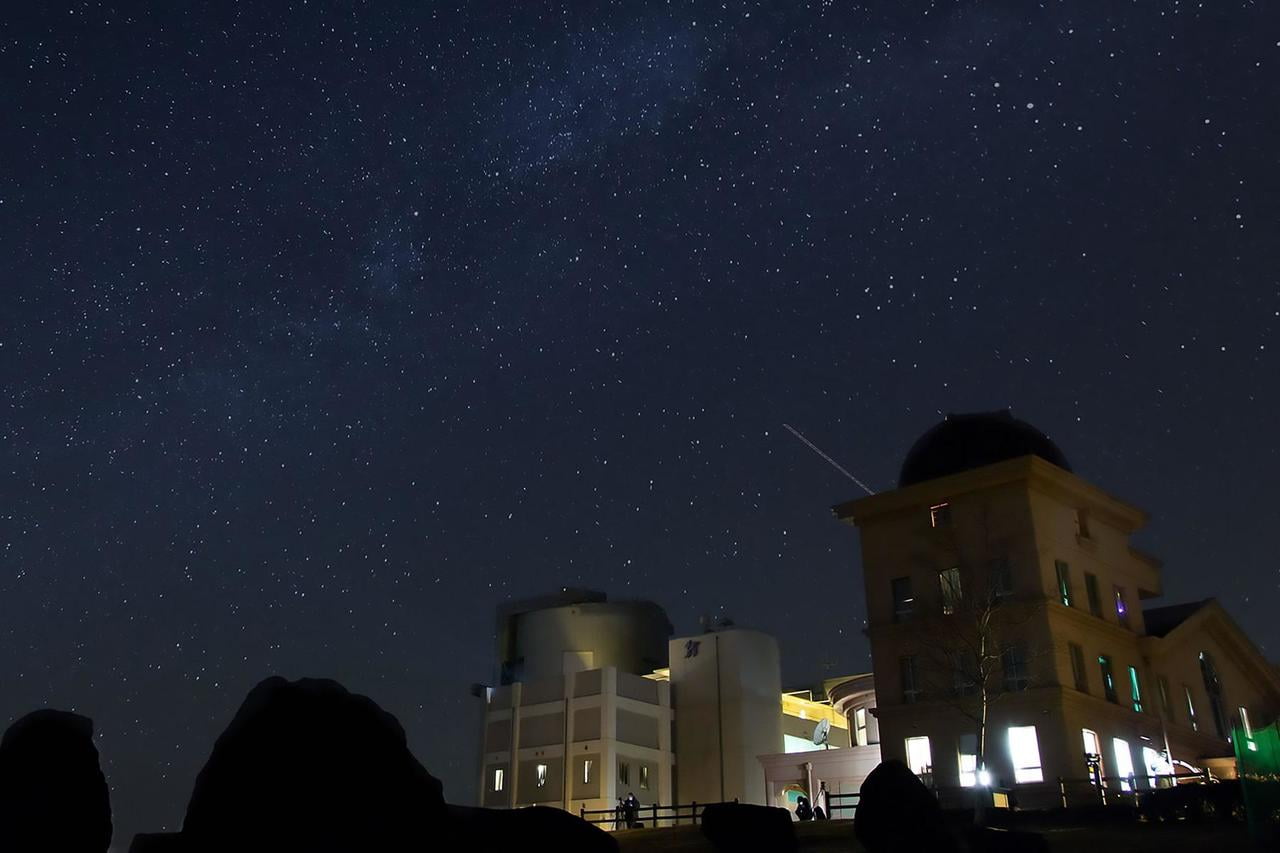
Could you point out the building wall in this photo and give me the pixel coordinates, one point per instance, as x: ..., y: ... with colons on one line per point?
x: 549, y: 642
x: 589, y: 721
x: 725, y: 688
x: 1038, y: 517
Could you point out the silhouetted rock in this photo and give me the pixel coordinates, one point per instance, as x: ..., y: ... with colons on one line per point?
x: 741, y: 827
x: 896, y: 812
x: 306, y: 765
x: 158, y: 842
x: 53, y: 795
x: 536, y: 828
x: 991, y: 840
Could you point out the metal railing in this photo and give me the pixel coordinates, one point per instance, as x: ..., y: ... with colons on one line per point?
x: 651, y: 815
x: 842, y: 806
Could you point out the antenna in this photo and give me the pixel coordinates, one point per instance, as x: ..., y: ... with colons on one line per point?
x: 833, y: 463
x: 822, y: 733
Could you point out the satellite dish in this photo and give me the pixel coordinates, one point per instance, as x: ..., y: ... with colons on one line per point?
x: 821, y: 732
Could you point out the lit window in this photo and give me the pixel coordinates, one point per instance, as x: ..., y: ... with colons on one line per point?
x: 940, y: 515
x: 1064, y: 582
x: 541, y: 774
x: 499, y: 778
x: 644, y: 777
x: 907, y: 667
x: 624, y: 773
x: 1091, y: 593
x: 968, y: 760
x: 1024, y: 753
x: 1191, y: 709
x: 1078, y: 673
x: 1124, y: 763
x: 1244, y: 721
x: 1014, y: 661
x: 949, y: 583
x: 860, y: 726
x: 1122, y: 610
x: 1093, y: 756
x: 1159, y: 768
x: 1135, y: 689
x: 1108, y: 678
x: 919, y: 755
x: 587, y: 766
x: 903, y: 601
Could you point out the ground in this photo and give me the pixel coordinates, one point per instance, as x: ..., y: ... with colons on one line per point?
x: 837, y: 835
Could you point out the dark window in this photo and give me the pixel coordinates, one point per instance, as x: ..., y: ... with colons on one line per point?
x: 949, y: 584
x: 910, y: 690
x: 1108, y: 678
x: 903, y: 601
x: 962, y: 674
x: 1078, y: 673
x: 1000, y: 578
x: 1162, y: 689
x: 1014, y: 661
x: 940, y: 515
x: 624, y: 773
x: 1213, y: 687
x: 1122, y: 609
x: 1064, y: 582
x: 1091, y: 592
x: 1082, y: 523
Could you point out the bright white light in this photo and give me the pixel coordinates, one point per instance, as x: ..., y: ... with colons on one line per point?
x: 984, y: 778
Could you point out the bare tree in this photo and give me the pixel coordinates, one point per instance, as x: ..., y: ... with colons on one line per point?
x: 973, y: 648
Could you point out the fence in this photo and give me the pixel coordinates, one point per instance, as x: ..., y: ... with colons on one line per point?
x: 649, y: 815
x: 842, y: 806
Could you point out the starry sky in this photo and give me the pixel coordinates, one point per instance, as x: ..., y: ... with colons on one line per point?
x: 325, y: 329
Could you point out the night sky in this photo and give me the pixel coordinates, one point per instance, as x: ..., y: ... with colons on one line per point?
x: 324, y: 330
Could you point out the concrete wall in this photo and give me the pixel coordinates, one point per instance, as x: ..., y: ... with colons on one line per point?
x: 725, y: 692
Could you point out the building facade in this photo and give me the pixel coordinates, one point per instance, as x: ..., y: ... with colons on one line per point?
x: 996, y: 578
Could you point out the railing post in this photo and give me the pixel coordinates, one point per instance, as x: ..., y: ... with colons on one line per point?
x: 1062, y: 791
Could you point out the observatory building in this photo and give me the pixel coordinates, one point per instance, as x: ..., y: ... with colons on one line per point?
x: 991, y: 543
x: 597, y: 700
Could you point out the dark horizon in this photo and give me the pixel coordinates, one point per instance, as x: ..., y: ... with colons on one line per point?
x: 327, y: 331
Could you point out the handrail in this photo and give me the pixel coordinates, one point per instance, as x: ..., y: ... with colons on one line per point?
x: 673, y: 813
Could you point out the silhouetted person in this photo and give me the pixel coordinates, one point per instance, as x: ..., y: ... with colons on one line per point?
x: 53, y: 795
x: 803, y: 812
x: 619, y: 814
x: 306, y: 765
x: 632, y: 809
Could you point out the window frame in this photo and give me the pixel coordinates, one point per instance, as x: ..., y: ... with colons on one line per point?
x: 951, y: 590
x: 1107, y: 667
x: 1093, y: 594
x: 1078, y: 672
x: 1063, y: 571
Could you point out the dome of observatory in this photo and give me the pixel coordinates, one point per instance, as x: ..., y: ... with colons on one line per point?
x: 964, y: 442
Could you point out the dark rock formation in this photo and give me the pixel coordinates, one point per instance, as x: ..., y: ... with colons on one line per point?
x: 734, y: 827
x: 53, y: 795
x: 306, y: 765
x: 896, y: 812
x: 536, y: 828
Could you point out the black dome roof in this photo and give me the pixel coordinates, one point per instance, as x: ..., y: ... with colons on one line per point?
x: 963, y: 442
